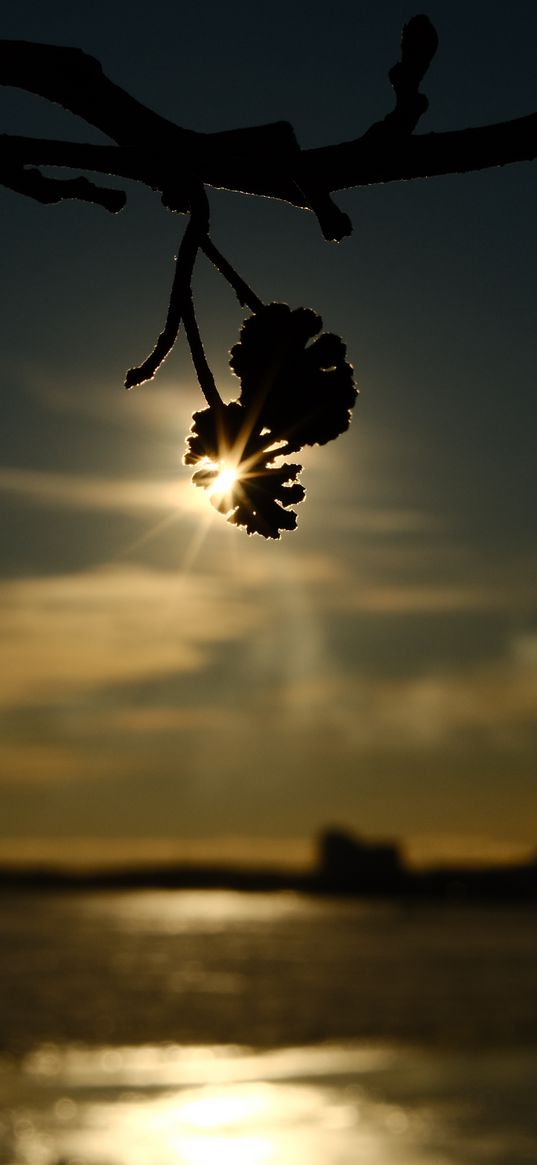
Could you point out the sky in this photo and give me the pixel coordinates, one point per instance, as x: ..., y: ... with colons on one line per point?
x: 170, y: 686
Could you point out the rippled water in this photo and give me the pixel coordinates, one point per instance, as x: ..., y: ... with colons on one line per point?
x: 206, y: 1027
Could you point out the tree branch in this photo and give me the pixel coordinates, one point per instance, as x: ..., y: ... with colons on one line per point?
x: 181, y: 296
x: 76, y: 81
x: 265, y: 161
x: 347, y: 165
x: 49, y: 190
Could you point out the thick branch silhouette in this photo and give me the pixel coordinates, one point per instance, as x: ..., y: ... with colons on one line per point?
x: 264, y: 160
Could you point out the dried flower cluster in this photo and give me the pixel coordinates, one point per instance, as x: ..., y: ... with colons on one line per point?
x: 296, y: 390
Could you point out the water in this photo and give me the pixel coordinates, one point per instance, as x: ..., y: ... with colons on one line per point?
x: 214, y: 1027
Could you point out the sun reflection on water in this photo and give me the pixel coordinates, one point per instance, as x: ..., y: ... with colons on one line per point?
x: 246, y: 1151
x: 332, y: 1104
x: 238, y: 1124
x: 210, y: 1106
x: 217, y: 1126
x: 207, y: 1111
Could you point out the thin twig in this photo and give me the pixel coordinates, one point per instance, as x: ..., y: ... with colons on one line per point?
x: 335, y: 224
x: 50, y: 190
x: 244, y: 293
x: 180, y: 292
x: 199, y: 359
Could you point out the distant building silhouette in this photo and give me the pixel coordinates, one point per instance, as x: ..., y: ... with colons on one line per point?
x: 346, y: 864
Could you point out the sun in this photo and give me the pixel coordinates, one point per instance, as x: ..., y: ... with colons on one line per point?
x: 224, y: 481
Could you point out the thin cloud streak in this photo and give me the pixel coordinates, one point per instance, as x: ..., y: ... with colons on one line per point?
x: 76, y: 492
x: 495, y: 704
x: 159, y: 409
x: 437, y: 598
x: 65, y: 633
x: 333, y: 719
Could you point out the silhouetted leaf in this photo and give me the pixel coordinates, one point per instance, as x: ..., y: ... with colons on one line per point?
x: 222, y: 442
x: 298, y: 387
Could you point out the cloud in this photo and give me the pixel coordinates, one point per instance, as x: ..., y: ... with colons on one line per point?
x: 83, y: 852
x: 73, y: 491
x: 494, y: 705
x: 76, y: 492
x: 349, y: 518
x: 226, y: 694
x: 63, y: 634
x: 466, y: 848
x: 38, y: 762
x: 436, y: 598
x: 161, y: 408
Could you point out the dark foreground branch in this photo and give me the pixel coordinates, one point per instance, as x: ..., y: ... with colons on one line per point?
x: 345, y: 166
x: 265, y: 161
x: 25, y: 180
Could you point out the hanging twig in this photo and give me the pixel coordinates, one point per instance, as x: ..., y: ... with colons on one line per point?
x: 244, y: 293
x: 184, y: 267
x: 203, y: 372
x: 180, y: 292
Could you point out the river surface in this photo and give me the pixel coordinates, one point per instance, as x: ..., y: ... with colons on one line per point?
x: 151, y: 1028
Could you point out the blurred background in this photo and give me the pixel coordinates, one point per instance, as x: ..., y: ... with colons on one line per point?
x: 172, y: 690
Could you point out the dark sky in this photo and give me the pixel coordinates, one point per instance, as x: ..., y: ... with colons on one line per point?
x: 166, y: 679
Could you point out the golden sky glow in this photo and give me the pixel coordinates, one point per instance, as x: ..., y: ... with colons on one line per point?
x: 166, y: 680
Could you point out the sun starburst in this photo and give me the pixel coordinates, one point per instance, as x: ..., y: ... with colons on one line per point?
x: 226, y: 478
